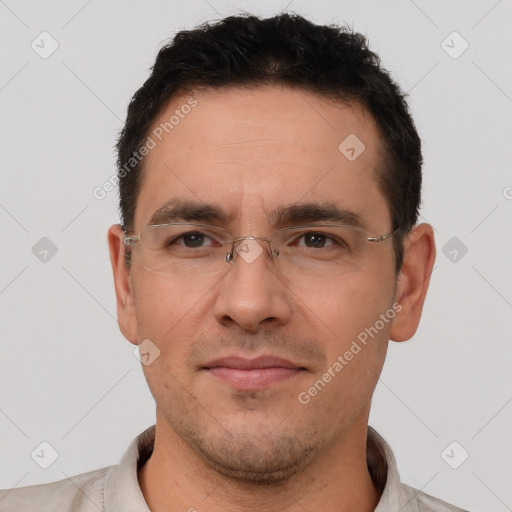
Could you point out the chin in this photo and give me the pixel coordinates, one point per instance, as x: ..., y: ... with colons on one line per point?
x: 249, y: 449
x: 249, y: 460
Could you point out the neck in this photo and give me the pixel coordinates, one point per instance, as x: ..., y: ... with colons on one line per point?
x: 175, y: 478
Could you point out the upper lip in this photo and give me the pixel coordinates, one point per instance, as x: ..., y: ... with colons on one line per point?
x: 243, y: 363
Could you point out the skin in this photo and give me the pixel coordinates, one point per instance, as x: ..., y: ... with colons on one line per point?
x: 218, y: 448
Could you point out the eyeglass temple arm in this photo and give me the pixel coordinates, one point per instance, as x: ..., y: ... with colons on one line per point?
x: 383, y: 237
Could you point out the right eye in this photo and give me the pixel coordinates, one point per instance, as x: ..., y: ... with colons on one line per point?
x: 194, y: 239
x: 191, y: 240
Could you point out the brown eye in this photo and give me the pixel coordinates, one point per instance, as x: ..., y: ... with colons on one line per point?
x: 316, y: 240
x: 193, y: 239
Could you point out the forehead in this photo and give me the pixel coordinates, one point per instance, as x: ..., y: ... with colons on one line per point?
x: 250, y: 151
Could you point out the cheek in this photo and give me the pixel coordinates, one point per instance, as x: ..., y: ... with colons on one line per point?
x: 355, y: 347
x: 161, y: 307
x: 355, y: 338
x: 173, y: 317
x: 342, y: 309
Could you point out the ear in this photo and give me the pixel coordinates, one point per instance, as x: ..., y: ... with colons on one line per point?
x: 412, y: 286
x: 126, y: 316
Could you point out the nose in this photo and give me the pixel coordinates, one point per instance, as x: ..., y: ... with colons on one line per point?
x: 252, y: 295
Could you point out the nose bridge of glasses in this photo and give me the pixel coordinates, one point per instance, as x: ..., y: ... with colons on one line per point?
x: 250, y: 248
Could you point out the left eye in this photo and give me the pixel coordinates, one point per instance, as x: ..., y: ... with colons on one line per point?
x: 317, y: 240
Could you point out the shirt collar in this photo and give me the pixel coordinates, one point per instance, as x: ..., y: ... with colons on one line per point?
x: 122, y: 489
x: 393, y: 497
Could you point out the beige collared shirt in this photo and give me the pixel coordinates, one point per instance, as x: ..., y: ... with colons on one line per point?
x: 116, y: 488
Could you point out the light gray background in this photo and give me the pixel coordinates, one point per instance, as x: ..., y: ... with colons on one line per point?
x: 68, y: 377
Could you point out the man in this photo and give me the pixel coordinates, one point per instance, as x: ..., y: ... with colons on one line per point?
x: 270, y: 179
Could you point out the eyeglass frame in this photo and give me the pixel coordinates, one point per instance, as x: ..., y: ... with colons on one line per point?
x: 131, y: 240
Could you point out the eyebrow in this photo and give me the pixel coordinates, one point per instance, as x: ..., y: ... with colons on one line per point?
x: 180, y: 210
x: 185, y: 210
x: 304, y: 213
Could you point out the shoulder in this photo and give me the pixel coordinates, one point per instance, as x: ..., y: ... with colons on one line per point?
x: 427, y: 503
x: 80, y: 493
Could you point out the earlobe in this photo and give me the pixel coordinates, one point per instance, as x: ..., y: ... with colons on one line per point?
x: 413, y: 282
x: 126, y: 316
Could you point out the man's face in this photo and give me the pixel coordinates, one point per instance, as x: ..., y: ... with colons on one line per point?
x: 250, y: 152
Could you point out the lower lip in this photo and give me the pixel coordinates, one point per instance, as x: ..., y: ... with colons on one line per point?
x: 254, y: 379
